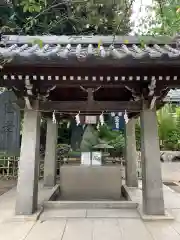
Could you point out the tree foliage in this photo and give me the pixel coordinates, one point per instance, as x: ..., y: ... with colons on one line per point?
x: 65, y: 17
x: 168, y: 128
x: 113, y: 138
x: 162, y: 18
x: 167, y: 13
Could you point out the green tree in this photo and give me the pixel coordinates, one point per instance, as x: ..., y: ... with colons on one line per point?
x: 167, y: 16
x: 113, y: 138
x: 75, y: 17
x: 162, y: 18
x: 167, y: 127
x: 67, y: 17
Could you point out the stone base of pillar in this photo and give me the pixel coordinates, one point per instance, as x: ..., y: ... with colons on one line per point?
x: 155, y: 217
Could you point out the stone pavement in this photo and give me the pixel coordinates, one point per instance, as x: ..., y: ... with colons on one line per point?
x: 105, y: 228
x: 7, y: 202
x: 171, y: 171
x: 94, y: 224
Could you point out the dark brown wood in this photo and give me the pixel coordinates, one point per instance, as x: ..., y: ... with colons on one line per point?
x: 149, y: 70
x: 113, y: 95
x: 94, y: 107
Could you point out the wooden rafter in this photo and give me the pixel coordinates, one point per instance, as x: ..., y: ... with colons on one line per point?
x: 94, y: 107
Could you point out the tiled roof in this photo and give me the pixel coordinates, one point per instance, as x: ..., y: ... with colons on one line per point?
x: 88, y: 39
x: 57, y: 49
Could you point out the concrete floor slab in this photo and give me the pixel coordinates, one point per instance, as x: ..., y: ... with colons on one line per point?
x: 170, y: 171
x: 176, y: 226
x: 6, y: 213
x: 80, y: 229
x: 8, y: 199
x: 112, y: 213
x: 7, y: 204
x: 48, y: 230
x: 171, y: 198
x: 176, y: 214
x: 134, y: 229
x: 162, y: 231
x: 106, y: 229
x: 15, y: 230
x: 100, y: 224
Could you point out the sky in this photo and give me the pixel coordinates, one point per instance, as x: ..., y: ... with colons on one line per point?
x: 139, y: 11
x: 139, y: 7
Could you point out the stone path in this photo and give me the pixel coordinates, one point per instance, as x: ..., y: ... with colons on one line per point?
x: 90, y: 229
x: 96, y: 224
x: 7, y: 202
x: 91, y: 224
x: 171, y: 171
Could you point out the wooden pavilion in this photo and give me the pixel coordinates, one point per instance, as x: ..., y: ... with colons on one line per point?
x: 90, y: 75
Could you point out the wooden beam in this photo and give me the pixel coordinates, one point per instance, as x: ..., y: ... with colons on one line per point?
x: 84, y: 107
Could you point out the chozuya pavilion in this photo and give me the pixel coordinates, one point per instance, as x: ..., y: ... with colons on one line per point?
x: 72, y: 74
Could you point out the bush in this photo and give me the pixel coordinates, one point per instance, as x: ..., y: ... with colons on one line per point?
x: 74, y: 154
x: 113, y: 138
x: 62, y: 150
x: 168, y: 128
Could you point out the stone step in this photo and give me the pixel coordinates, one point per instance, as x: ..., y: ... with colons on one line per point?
x: 88, y: 213
x: 90, y: 204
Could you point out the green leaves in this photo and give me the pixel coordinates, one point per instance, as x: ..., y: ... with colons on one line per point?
x: 101, y: 17
x: 32, y: 5
x: 39, y: 42
x: 169, y: 131
x: 162, y: 18
x: 169, y: 18
x: 168, y: 128
x: 113, y: 138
